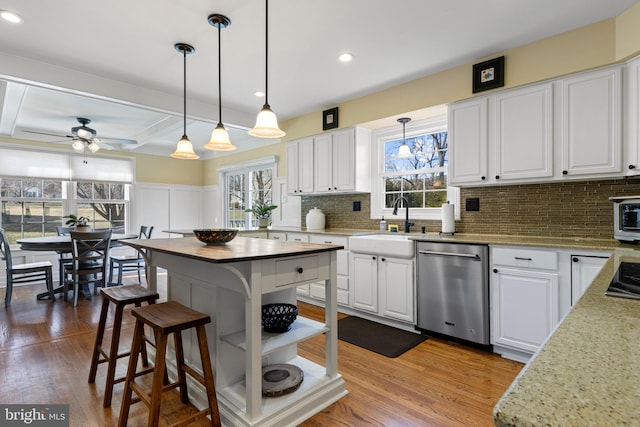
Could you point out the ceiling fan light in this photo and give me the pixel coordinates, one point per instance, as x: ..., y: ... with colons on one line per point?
x: 267, y: 125
x: 84, y: 134
x: 220, y: 140
x: 93, y: 147
x: 78, y: 146
x: 184, y: 150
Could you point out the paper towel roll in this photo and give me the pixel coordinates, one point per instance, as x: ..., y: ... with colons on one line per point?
x: 448, y: 218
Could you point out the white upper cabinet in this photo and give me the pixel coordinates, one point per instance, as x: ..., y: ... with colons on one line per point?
x: 566, y: 128
x: 632, y: 117
x: 330, y: 162
x: 468, y: 127
x: 300, y: 166
x: 591, y: 123
x: 524, y: 133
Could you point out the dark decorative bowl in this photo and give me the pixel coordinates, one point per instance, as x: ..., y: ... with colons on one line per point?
x: 278, y: 317
x: 215, y: 236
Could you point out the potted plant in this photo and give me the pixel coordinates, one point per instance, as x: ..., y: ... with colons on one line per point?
x: 262, y: 211
x: 80, y: 223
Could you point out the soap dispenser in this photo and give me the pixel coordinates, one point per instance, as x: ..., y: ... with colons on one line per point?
x: 383, y: 224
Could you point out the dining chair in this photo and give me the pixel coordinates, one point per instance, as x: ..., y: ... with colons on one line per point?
x: 128, y: 263
x: 23, y: 273
x: 89, y: 254
x: 64, y: 258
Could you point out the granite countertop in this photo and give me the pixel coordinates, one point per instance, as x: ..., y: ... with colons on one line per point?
x: 586, y: 374
x: 238, y: 249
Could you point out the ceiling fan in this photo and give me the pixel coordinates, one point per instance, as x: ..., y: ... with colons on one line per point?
x: 85, y: 137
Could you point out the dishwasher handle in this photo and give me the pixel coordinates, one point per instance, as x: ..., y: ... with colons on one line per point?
x: 454, y: 254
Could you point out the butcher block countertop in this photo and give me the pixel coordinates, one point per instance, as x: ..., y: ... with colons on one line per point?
x: 239, y: 249
x: 587, y: 373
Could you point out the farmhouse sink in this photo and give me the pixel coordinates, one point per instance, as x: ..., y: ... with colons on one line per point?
x: 397, y: 245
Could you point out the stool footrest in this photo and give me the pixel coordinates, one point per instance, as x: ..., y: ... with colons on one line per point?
x: 193, y: 417
x: 196, y: 375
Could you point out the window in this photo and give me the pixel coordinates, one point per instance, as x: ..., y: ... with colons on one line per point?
x: 246, y: 185
x: 104, y: 203
x: 421, y: 178
x: 31, y: 207
x: 39, y: 187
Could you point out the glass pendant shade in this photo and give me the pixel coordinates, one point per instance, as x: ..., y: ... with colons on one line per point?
x: 78, y: 146
x: 266, y: 125
x: 93, y: 147
x: 220, y: 140
x: 184, y: 150
x: 404, y: 152
x: 84, y: 134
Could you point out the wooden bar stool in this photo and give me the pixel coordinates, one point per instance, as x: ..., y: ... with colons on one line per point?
x: 120, y: 296
x: 164, y: 319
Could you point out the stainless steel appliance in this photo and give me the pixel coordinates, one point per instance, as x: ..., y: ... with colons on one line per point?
x: 453, y: 290
x: 626, y: 218
x: 626, y: 282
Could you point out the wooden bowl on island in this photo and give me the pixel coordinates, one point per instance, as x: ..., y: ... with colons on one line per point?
x: 215, y: 236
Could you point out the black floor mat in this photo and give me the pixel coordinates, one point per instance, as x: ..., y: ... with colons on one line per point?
x: 382, y: 339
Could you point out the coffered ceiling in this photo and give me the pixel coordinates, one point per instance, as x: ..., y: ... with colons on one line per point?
x: 114, y: 61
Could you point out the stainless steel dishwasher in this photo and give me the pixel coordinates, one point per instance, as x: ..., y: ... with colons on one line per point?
x: 453, y: 290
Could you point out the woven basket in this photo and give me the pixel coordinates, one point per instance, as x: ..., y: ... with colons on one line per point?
x: 278, y: 317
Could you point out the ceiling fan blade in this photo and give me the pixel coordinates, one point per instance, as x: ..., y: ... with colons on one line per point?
x: 117, y: 140
x: 48, y: 134
x: 102, y: 145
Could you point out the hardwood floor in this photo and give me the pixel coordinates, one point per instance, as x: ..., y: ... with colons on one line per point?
x: 45, y: 351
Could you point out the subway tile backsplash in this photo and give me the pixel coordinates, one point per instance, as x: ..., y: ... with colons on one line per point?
x: 568, y: 209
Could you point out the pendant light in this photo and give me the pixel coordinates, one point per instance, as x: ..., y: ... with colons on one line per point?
x: 267, y: 122
x: 184, y: 150
x: 404, y: 152
x: 219, y: 137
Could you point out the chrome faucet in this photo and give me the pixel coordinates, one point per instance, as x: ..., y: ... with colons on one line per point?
x: 407, y: 224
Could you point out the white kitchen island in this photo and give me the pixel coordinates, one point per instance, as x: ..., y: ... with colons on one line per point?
x: 231, y: 282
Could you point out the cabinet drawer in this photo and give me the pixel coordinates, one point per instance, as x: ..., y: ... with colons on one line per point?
x: 277, y: 236
x: 297, y: 237
x: 524, y: 257
x: 291, y: 271
x: 329, y: 240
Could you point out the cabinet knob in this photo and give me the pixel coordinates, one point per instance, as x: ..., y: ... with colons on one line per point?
x: 565, y: 173
x: 575, y: 259
x: 299, y: 270
x: 483, y: 178
x: 632, y: 167
x: 495, y: 270
x: 329, y: 188
x: 497, y: 176
x: 382, y: 259
x: 335, y: 188
x: 373, y: 257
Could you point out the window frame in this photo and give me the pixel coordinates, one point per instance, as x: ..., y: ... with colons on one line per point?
x: 244, y: 168
x: 412, y: 129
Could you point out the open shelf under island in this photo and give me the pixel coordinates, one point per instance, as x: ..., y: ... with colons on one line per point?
x: 231, y: 282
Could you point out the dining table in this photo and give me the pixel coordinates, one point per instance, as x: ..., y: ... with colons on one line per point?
x: 61, y: 244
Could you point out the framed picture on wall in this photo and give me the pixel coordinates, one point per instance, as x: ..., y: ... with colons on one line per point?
x: 330, y: 118
x: 488, y: 74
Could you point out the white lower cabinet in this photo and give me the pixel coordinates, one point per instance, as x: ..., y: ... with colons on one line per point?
x: 532, y: 289
x: 525, y: 294
x: 584, y: 268
x: 294, y: 237
x: 316, y: 290
x: 383, y: 285
x: 528, y: 307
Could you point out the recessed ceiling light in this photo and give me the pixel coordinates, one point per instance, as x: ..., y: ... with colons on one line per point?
x: 259, y: 94
x: 345, y: 57
x: 10, y: 17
